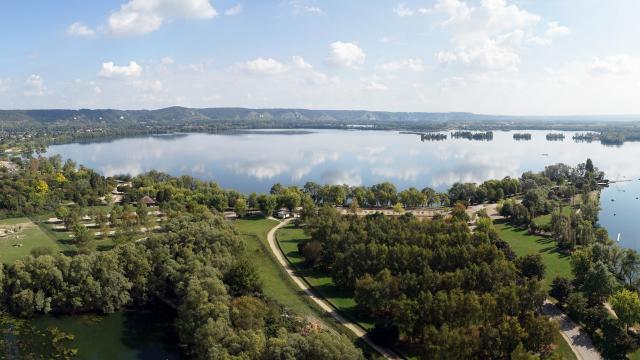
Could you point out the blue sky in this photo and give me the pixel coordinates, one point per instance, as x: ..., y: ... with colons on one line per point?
x: 486, y: 56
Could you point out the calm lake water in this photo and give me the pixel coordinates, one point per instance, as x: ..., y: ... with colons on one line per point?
x: 254, y: 161
x: 125, y: 335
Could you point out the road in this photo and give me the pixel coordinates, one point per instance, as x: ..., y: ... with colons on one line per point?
x: 323, y: 304
x: 578, y: 340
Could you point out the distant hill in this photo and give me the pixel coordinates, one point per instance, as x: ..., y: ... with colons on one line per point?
x: 201, y: 116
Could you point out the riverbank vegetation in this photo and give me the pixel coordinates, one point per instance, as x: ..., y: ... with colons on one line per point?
x: 557, y: 221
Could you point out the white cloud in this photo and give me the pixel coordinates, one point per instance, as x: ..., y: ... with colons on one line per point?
x: 261, y: 66
x: 167, y: 60
x: 300, y: 63
x: 488, y: 55
x: 405, y: 64
x: 233, y: 11
x: 346, y: 54
x: 373, y: 85
x: 79, y: 29
x: 490, y: 36
x: 139, y: 17
x: 621, y: 64
x: 110, y: 70
x: 298, y: 70
x: 555, y: 29
x: 34, y: 86
x: 303, y: 6
x: 455, y: 9
x: 402, y: 10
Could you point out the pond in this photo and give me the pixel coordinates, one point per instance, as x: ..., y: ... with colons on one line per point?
x: 253, y: 161
x: 125, y: 335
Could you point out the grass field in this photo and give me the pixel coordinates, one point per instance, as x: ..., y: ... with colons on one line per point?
x: 288, y: 239
x: 30, y: 236
x: 276, y: 283
x: 522, y: 244
x: 546, y: 219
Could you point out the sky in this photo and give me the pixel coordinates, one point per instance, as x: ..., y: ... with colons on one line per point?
x: 543, y: 57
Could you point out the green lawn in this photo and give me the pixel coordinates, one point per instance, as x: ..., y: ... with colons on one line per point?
x: 564, y: 350
x: 522, y: 244
x: 288, y: 239
x: 276, y: 283
x: 30, y: 236
x: 546, y: 219
x: 557, y: 264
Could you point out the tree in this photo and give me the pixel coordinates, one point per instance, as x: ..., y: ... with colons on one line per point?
x: 267, y: 204
x: 354, y: 206
x: 398, y: 208
x: 385, y: 193
x: 627, y: 306
x: 241, y: 207
x: 560, y: 289
x: 248, y: 313
x: 243, y: 279
x: 412, y: 198
x: 82, y: 236
x: 589, y: 166
x: 630, y: 266
x: 276, y: 189
x: 459, y: 212
x: 311, y: 252
x: 532, y: 266
x: 599, y: 283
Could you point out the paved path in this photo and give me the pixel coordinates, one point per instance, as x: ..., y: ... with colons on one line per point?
x: 353, y: 327
x: 578, y: 340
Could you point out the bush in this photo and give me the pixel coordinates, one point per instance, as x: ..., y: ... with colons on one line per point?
x: 311, y: 252
x: 41, y: 250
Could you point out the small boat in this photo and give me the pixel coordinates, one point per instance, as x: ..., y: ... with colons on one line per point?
x: 545, y: 154
x: 613, y: 199
x: 619, y: 237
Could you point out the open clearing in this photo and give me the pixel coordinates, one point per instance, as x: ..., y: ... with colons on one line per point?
x: 522, y: 244
x: 27, y: 237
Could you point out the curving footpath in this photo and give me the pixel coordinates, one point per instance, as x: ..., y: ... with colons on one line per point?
x: 324, y: 305
x: 578, y: 340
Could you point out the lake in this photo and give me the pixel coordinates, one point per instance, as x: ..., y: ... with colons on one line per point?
x: 255, y: 160
x: 124, y: 335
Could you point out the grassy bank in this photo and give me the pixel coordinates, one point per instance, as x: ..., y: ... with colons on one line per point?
x: 522, y: 243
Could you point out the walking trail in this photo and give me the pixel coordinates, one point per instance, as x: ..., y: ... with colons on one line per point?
x: 324, y: 305
x: 578, y: 340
